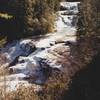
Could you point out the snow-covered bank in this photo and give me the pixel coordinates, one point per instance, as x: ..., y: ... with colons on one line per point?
x: 31, y: 61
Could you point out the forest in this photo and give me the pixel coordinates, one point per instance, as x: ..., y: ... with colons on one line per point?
x: 49, y: 49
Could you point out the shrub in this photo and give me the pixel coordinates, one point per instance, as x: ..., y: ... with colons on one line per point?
x: 53, y: 90
x: 35, y: 16
x: 3, y: 40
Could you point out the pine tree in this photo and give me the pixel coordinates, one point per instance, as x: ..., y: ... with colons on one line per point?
x: 34, y: 16
x: 88, y: 35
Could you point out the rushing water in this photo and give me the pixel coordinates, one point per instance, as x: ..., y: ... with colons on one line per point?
x: 33, y: 56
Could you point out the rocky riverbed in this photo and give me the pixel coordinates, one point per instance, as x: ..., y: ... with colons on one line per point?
x: 31, y: 61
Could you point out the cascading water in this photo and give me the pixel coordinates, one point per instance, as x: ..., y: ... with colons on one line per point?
x: 33, y: 56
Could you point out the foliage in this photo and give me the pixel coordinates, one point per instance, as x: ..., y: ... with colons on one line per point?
x: 5, y: 15
x: 34, y: 16
x: 88, y: 32
x: 3, y: 40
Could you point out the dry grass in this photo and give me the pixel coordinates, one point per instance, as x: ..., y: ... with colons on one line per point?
x: 3, y: 71
x: 3, y: 41
x: 22, y: 93
x: 56, y: 87
x: 52, y: 90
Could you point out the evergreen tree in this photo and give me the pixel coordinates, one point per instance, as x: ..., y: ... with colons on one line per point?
x: 88, y: 34
x: 34, y: 16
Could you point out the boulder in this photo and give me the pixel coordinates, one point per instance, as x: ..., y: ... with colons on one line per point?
x: 16, y: 49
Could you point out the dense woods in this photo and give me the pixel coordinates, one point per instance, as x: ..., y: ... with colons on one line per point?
x: 30, y: 17
x: 88, y: 38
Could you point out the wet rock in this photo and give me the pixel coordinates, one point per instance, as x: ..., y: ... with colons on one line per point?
x: 27, y: 47
x: 70, y: 7
x: 13, y: 51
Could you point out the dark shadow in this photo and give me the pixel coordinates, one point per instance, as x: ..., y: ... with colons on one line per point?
x: 12, y: 28
x: 86, y: 84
